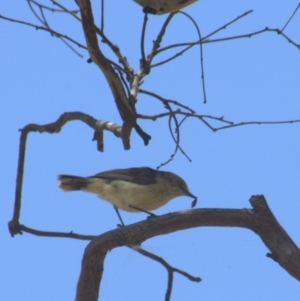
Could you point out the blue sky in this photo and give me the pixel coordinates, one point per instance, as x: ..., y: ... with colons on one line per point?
x: 253, y: 79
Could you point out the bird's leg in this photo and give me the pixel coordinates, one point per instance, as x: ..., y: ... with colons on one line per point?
x: 142, y: 210
x: 120, y: 218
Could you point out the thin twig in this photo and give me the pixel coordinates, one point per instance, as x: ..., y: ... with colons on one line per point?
x: 43, y: 20
x: 249, y: 35
x: 221, y: 119
x: 164, y: 100
x: 116, y: 50
x: 102, y: 16
x: 161, y: 115
x: 174, y: 56
x: 51, y: 31
x: 143, y: 38
x: 201, y: 53
x: 158, y: 40
x: 229, y: 23
x: 257, y: 123
x: 170, y: 269
x: 66, y: 10
x: 286, y: 24
x: 48, y: 7
x: 34, y: 12
x: 70, y: 234
x: 176, y: 139
x: 190, y: 44
x: 178, y: 135
x: 71, y: 47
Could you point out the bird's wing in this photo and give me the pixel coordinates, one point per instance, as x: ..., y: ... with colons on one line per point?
x: 138, y: 175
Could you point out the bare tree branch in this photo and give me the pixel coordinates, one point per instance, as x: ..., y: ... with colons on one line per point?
x: 290, y: 19
x: 251, y: 34
x: 116, y: 50
x: 171, y: 270
x: 125, y: 91
x: 51, y: 31
x: 165, y: 100
x: 204, y: 41
x: 143, y: 38
x: 156, y: 43
x: 126, y: 109
x: 230, y: 124
x: 260, y: 220
x: 49, y: 8
x: 207, y: 36
x: 71, y: 234
x: 54, y: 127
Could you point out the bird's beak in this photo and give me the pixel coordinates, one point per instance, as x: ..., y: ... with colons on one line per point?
x: 187, y: 193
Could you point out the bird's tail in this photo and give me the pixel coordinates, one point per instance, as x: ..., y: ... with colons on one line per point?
x: 69, y: 183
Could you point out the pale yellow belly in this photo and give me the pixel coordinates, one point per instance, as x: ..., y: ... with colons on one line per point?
x: 123, y: 194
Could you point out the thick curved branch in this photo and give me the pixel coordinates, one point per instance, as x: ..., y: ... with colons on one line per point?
x: 259, y: 219
x: 126, y: 109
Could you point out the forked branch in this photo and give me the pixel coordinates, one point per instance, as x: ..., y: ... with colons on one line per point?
x: 260, y: 220
x: 125, y: 107
x: 54, y: 127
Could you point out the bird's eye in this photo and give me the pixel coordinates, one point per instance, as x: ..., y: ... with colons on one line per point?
x: 180, y: 184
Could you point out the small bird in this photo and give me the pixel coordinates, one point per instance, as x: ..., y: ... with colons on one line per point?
x: 158, y: 7
x: 132, y: 189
